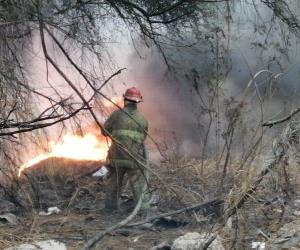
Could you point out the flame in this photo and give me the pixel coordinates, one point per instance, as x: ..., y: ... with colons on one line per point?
x: 88, y: 147
x: 115, y: 99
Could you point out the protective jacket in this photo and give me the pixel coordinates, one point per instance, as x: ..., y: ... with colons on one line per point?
x: 129, y: 128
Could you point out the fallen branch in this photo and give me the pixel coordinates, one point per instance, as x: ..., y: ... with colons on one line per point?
x: 284, y: 119
x: 209, y: 242
x: 91, y: 242
x: 199, y: 206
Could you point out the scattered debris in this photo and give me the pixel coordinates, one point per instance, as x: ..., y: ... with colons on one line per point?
x: 162, y: 246
x: 51, y: 210
x: 196, y: 241
x: 41, y: 245
x: 297, y: 203
x: 229, y: 222
x: 122, y: 232
x: 154, y: 200
x: 262, y: 234
x: 169, y: 222
x: 147, y: 226
x: 102, y: 172
x: 296, y: 213
x: 8, y: 218
x: 136, y: 238
x: 286, y: 237
x: 258, y: 245
x: 196, y: 207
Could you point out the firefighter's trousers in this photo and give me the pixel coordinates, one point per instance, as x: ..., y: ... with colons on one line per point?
x: 138, y: 180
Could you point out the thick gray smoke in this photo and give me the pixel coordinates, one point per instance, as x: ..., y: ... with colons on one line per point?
x: 231, y: 57
x: 189, y: 105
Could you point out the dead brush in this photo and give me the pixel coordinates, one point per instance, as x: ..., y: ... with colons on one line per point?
x: 259, y: 201
x: 53, y: 182
x: 183, y: 176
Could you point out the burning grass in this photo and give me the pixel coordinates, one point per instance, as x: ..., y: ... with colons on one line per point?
x: 55, y: 181
x: 88, y: 147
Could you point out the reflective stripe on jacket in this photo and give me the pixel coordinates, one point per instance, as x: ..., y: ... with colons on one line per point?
x: 129, y: 128
x: 133, y: 134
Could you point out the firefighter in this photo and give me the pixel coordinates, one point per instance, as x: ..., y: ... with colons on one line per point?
x: 126, y: 155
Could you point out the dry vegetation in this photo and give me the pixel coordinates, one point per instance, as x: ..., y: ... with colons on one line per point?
x: 255, y: 197
x: 69, y: 185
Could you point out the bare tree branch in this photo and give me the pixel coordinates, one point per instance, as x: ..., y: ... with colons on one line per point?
x: 198, y: 207
x: 284, y: 119
x: 91, y: 242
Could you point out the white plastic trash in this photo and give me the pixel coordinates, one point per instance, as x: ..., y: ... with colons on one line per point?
x: 9, y: 218
x: 101, y: 172
x: 258, y: 245
x: 51, y: 210
x: 41, y: 245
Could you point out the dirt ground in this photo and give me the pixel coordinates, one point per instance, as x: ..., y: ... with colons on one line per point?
x: 81, y: 197
x: 74, y: 228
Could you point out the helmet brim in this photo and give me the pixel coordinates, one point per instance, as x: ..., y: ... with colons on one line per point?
x: 133, y: 99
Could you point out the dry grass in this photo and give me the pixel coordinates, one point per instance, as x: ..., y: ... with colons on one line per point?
x: 81, y: 197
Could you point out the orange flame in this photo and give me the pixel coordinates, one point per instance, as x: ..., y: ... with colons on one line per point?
x: 74, y: 147
x: 115, y: 99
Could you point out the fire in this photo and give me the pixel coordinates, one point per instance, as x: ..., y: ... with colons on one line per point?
x: 115, y: 99
x: 88, y: 147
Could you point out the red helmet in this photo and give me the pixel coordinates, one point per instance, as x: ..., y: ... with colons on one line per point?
x: 133, y: 94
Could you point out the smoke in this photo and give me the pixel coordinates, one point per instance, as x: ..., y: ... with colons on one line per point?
x: 254, y: 41
x: 180, y: 103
